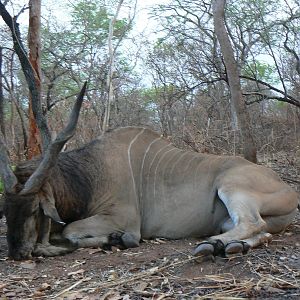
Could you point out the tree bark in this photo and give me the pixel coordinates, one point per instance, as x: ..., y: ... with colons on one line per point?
x: 238, y: 103
x: 29, y: 75
x: 111, y: 51
x: 34, y: 43
x: 2, y: 123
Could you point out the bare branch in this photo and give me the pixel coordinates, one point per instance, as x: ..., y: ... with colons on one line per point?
x: 287, y: 98
x: 25, y: 7
x: 29, y: 73
x: 290, y: 50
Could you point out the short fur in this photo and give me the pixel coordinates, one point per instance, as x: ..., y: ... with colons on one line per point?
x: 132, y: 184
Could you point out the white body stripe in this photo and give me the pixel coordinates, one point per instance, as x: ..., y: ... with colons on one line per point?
x: 160, y: 159
x: 152, y: 162
x: 178, y: 160
x: 129, y: 161
x: 143, y: 162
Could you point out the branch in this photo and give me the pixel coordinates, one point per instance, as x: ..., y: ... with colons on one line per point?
x: 265, y: 97
x: 21, y: 11
x: 287, y: 98
x: 29, y: 73
x: 291, y: 51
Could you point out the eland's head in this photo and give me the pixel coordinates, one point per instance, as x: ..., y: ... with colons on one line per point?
x: 28, y: 203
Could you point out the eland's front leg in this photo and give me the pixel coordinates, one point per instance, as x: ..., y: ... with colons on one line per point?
x: 100, y: 231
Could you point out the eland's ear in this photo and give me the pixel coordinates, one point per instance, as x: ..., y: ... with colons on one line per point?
x: 47, y: 204
x: 50, y: 211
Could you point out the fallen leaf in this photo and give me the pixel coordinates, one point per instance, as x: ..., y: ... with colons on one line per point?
x: 98, y: 250
x: 115, y: 249
x: 113, y: 275
x: 153, y: 270
x: 81, y: 271
x: 161, y: 240
x: 28, y: 265
x: 78, y: 263
x: 141, y: 287
x: 45, y: 286
x: 38, y: 294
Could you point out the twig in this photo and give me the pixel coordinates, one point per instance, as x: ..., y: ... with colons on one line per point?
x: 24, y: 283
x: 279, y: 281
x: 290, y: 180
x: 222, y: 294
x: 144, y: 274
x: 68, y: 289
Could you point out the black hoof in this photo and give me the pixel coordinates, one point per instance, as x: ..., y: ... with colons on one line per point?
x: 115, y: 239
x: 207, y: 248
x: 129, y: 240
x: 236, y: 247
x: 123, y: 240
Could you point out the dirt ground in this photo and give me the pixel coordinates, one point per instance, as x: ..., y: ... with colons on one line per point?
x: 161, y: 269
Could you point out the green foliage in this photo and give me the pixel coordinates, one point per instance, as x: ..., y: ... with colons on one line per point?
x: 150, y: 96
x: 90, y: 19
x: 280, y: 105
x: 248, y: 13
x: 260, y: 70
x: 78, y: 52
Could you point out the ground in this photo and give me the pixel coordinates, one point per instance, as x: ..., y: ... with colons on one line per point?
x: 161, y: 269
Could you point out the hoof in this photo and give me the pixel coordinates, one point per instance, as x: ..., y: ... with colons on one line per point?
x: 123, y: 240
x: 205, y: 248
x: 210, y: 248
x: 236, y: 247
x: 129, y: 240
x: 115, y: 239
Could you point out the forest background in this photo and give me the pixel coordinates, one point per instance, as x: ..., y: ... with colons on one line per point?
x: 170, y: 76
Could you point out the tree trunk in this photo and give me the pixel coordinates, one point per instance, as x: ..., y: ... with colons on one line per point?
x: 34, y: 43
x: 233, y: 80
x: 2, y: 123
x: 29, y: 73
x: 111, y: 51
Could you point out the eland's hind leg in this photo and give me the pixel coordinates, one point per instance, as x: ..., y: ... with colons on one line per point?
x: 244, y: 214
x: 274, y: 224
x: 245, y: 222
x: 247, y: 228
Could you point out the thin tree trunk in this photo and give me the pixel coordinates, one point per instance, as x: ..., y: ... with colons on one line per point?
x: 2, y: 123
x: 234, y: 80
x: 34, y: 42
x: 30, y: 75
x: 111, y: 51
